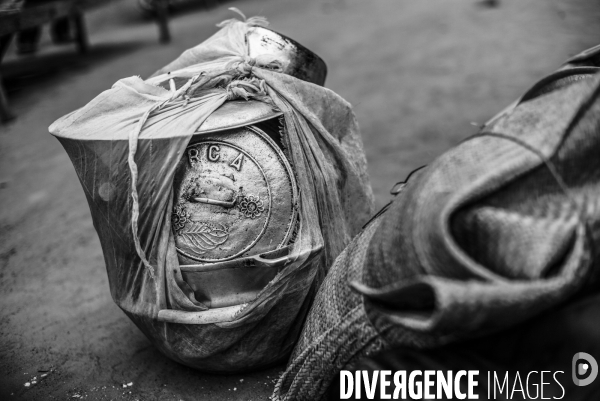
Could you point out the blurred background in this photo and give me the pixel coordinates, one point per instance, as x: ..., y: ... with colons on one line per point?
x: 421, y: 75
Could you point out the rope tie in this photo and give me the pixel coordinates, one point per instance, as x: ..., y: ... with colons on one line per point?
x: 133, y: 169
x: 252, y: 88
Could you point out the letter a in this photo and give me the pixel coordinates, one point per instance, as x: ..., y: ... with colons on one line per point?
x: 237, y: 162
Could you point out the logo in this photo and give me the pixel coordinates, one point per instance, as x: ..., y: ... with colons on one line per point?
x: 584, y: 368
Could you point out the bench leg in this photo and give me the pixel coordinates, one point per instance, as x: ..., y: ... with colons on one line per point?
x: 162, y: 17
x: 5, y: 113
x: 4, y: 43
x: 81, y: 37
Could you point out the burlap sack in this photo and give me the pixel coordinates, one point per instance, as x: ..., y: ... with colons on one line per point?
x: 495, y: 231
x: 545, y: 343
x: 125, y: 145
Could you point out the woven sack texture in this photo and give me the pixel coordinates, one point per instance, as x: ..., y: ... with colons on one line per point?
x: 125, y: 145
x: 494, y: 232
x: 546, y: 342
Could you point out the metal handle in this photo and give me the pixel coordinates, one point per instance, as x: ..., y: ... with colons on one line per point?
x: 214, y: 202
x: 217, y: 315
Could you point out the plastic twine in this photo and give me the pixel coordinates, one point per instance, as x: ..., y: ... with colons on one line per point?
x: 133, y: 169
x: 135, y: 207
x: 252, y: 21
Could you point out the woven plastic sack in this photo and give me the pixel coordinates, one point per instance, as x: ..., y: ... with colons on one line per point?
x: 547, y: 342
x: 495, y: 231
x: 125, y: 145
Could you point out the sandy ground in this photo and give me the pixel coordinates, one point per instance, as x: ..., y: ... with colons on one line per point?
x: 420, y: 74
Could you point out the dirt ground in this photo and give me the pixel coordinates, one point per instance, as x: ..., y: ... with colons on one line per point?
x: 420, y: 74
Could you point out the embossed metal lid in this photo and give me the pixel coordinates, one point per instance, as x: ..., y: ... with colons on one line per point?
x: 235, y: 195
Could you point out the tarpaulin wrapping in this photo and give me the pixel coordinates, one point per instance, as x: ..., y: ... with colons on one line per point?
x: 125, y: 145
x: 494, y: 232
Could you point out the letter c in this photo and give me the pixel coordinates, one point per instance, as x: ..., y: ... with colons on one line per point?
x: 459, y: 395
x: 213, y: 153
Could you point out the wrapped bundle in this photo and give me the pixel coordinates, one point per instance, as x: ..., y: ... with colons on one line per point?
x: 494, y: 232
x: 221, y: 189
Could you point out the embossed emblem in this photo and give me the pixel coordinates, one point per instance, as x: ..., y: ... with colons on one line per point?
x: 204, y: 236
x: 179, y: 218
x: 235, y: 195
x: 251, y: 206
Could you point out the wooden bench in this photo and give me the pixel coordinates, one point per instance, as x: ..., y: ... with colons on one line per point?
x: 17, y: 18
